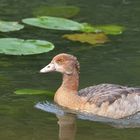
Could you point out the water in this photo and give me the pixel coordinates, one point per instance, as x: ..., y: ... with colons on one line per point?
x: 116, y: 62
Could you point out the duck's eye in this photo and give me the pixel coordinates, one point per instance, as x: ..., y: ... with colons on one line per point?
x: 60, y: 61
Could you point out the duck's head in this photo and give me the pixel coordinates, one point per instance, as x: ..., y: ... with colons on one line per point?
x: 64, y: 63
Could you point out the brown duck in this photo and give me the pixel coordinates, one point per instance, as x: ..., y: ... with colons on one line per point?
x: 108, y: 100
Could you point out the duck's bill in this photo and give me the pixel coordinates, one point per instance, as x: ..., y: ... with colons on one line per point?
x: 50, y: 67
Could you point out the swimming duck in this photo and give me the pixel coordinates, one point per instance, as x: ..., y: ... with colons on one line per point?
x: 108, y: 100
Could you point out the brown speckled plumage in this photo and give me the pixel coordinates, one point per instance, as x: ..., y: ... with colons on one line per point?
x: 101, y: 93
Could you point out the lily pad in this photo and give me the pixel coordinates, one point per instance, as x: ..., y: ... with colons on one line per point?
x: 33, y: 92
x: 57, y: 11
x: 54, y: 23
x: 57, y: 23
x: 111, y: 29
x: 15, y: 46
x: 90, y: 38
x: 107, y: 29
x: 7, y: 26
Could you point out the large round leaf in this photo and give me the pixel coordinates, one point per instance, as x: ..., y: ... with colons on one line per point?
x: 57, y: 23
x: 57, y: 11
x: 14, y: 46
x: 53, y: 23
x: 7, y: 26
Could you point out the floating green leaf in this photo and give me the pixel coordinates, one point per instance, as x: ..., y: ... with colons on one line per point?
x: 107, y: 29
x: 111, y: 29
x: 57, y: 11
x: 33, y: 92
x: 57, y: 23
x: 7, y: 26
x: 15, y: 46
x: 53, y: 23
x: 90, y: 38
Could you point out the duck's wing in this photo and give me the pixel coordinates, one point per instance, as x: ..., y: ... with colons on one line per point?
x: 106, y: 93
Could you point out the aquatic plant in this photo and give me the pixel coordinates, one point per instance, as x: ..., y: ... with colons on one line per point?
x: 7, y: 26
x: 15, y: 46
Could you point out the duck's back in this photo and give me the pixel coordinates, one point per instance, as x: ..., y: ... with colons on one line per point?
x: 120, y: 100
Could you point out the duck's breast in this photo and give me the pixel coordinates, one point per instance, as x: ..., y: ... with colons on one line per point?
x: 68, y: 99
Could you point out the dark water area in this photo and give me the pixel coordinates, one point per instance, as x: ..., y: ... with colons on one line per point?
x: 116, y: 62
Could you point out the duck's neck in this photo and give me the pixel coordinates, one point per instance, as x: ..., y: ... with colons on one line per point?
x: 71, y: 81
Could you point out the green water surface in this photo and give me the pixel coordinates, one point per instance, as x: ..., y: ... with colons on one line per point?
x: 116, y: 62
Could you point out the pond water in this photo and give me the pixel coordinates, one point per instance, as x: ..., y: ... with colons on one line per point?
x: 115, y: 62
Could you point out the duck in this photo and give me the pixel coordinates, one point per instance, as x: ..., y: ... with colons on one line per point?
x: 106, y: 100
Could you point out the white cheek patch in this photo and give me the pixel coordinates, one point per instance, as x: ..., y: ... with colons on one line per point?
x: 58, y: 67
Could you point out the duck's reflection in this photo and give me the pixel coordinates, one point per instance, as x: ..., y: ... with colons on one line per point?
x: 67, y: 121
x: 67, y: 126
